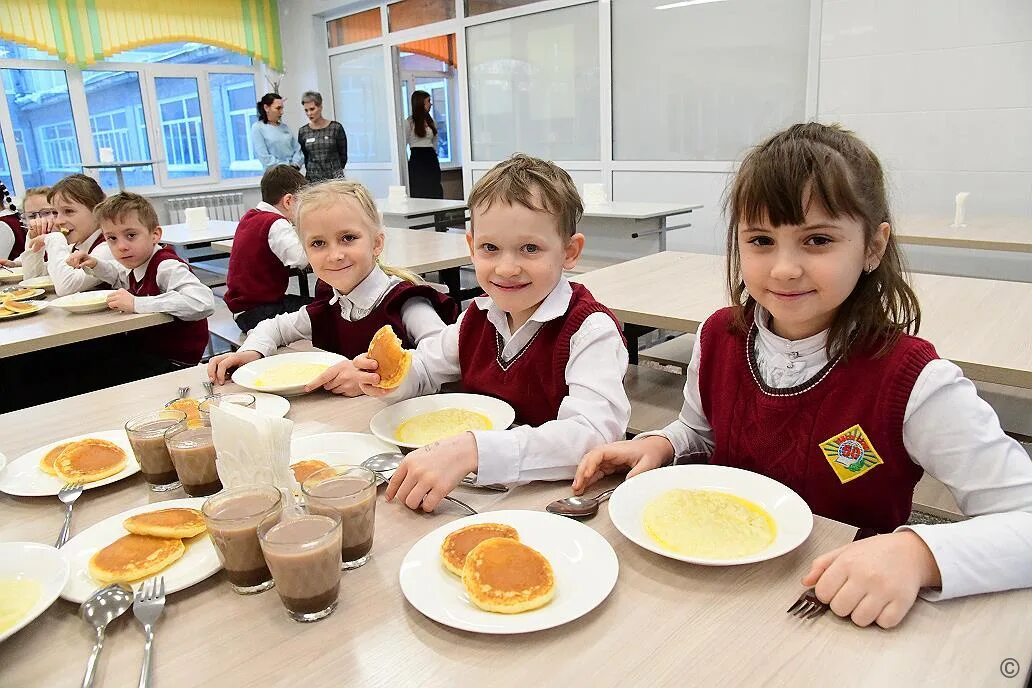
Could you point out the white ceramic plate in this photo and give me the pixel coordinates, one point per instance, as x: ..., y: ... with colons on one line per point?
x: 584, y: 563
x: 42, y: 282
x: 41, y: 563
x: 270, y: 405
x: 83, y: 302
x: 23, y: 478
x: 42, y: 307
x: 335, y: 448
x: 384, y: 423
x: 3, y: 461
x: 11, y: 275
x: 247, y: 375
x: 200, y: 560
x: 33, y: 293
x: 792, y: 515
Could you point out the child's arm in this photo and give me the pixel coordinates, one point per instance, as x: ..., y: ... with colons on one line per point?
x: 434, y: 363
x: 263, y: 340
x: 107, y: 271
x: 32, y: 262
x: 284, y: 243
x: 69, y: 280
x: 182, y: 295
x: 421, y: 320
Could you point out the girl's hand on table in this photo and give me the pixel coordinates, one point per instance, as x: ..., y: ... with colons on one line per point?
x: 638, y: 455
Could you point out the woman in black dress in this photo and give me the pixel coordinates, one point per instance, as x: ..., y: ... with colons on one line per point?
x: 424, y: 170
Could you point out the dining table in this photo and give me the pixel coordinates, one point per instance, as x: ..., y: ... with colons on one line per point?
x: 666, y: 622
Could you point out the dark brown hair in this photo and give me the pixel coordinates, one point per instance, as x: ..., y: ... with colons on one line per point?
x: 826, y: 164
x: 280, y: 180
x: 517, y: 179
x: 115, y: 208
x: 421, y: 119
x: 79, y: 188
x: 266, y: 100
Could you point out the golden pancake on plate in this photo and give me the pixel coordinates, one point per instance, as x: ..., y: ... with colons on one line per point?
x: 303, y: 469
x: 394, y: 361
x: 46, y: 464
x: 89, y: 460
x: 20, y: 293
x: 19, y: 307
x: 167, y: 523
x: 458, y: 544
x: 132, y: 557
x: 505, y: 576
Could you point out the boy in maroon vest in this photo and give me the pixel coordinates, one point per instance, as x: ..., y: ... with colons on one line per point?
x: 540, y: 343
x: 149, y: 279
x: 265, y: 249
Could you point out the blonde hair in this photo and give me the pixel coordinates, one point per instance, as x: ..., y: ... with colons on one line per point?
x: 517, y: 179
x: 333, y: 191
x: 43, y: 191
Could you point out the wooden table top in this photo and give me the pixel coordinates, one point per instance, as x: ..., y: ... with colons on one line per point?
x: 55, y: 327
x: 634, y: 210
x: 981, y: 325
x: 412, y: 249
x: 664, y: 621
x: 1013, y: 234
x: 182, y: 235
x: 417, y: 207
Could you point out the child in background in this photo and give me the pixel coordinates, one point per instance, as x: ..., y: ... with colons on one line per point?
x: 265, y: 248
x: 149, y: 278
x: 74, y: 228
x: 541, y: 344
x: 35, y: 204
x: 813, y: 378
x: 340, y: 229
x: 12, y: 231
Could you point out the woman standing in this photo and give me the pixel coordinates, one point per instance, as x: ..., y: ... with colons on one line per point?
x: 323, y: 142
x: 273, y: 141
x: 424, y: 170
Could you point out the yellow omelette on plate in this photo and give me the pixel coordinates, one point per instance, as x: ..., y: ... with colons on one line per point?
x: 435, y: 425
x: 708, y: 524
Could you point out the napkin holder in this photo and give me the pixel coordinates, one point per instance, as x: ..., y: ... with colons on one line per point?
x: 196, y: 218
x: 593, y: 194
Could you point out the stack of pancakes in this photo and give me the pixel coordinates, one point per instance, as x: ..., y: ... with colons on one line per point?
x: 500, y: 573
x: 86, y: 460
x: 9, y: 307
x: 154, y: 543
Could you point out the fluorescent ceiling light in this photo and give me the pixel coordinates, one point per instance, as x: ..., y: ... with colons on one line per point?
x: 685, y: 3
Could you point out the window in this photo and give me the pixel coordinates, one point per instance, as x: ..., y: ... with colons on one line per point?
x: 406, y: 14
x: 5, y: 169
x: 42, y: 112
x: 181, y: 53
x: 116, y: 122
x: 354, y: 29
x: 179, y: 111
x: 233, y: 100
x: 474, y: 7
x: 360, y: 103
x: 23, y: 158
x: 9, y: 50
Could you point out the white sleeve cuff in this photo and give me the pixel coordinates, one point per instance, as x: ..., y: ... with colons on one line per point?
x: 498, y: 457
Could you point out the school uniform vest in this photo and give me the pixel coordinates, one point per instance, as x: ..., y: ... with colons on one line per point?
x: 534, y: 381
x: 256, y: 276
x: 837, y: 439
x: 96, y: 242
x: 333, y: 333
x: 15, y: 224
x: 180, y: 340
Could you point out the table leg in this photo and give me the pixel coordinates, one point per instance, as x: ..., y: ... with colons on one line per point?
x: 121, y: 179
x: 302, y: 284
x: 450, y: 278
x: 662, y: 234
x: 632, y: 333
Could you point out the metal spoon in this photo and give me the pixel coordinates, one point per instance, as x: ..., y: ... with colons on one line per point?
x: 389, y: 461
x: 578, y: 507
x: 103, y: 607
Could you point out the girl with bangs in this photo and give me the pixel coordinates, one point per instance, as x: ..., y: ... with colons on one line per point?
x: 814, y: 377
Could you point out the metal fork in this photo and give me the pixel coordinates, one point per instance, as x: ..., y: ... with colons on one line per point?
x: 68, y: 494
x: 809, y: 606
x: 147, y: 607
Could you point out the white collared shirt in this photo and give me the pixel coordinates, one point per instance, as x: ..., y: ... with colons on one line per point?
x: 182, y: 295
x: 283, y: 239
x: 949, y: 431
x: 419, y: 317
x: 594, y: 411
x: 67, y: 280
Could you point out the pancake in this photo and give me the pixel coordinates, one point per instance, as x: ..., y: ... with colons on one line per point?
x: 458, y: 544
x: 167, y: 523
x: 191, y: 407
x: 507, y: 577
x: 303, y: 469
x: 385, y: 348
x: 708, y: 524
x: 46, y: 464
x: 132, y: 557
x: 89, y: 460
x: 19, y: 306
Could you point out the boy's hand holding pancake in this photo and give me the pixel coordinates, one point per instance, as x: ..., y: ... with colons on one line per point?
x: 343, y: 378
x: 81, y: 259
x: 429, y: 473
x: 874, y: 580
x: 219, y: 366
x: 122, y: 300
x: 637, y: 455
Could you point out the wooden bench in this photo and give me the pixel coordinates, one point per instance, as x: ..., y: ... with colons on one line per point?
x: 673, y: 352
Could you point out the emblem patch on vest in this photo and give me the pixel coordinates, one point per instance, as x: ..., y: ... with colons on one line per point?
x: 850, y: 454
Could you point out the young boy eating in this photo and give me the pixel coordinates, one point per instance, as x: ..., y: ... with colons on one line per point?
x: 537, y: 341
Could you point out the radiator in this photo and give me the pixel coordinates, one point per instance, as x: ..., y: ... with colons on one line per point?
x: 223, y: 206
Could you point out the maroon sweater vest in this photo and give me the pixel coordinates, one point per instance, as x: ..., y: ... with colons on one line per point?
x: 351, y: 338
x: 806, y: 437
x: 180, y: 340
x: 256, y: 276
x: 534, y: 382
x: 15, y: 224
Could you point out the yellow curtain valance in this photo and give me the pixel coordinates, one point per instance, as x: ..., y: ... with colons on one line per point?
x: 82, y: 32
